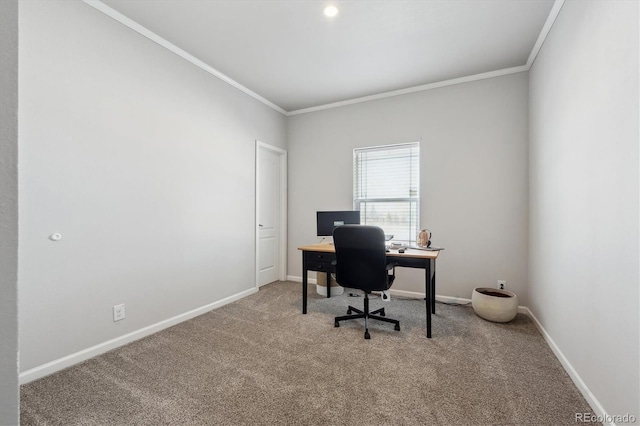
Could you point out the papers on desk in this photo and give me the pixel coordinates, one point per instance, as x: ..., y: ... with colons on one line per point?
x: 397, y: 246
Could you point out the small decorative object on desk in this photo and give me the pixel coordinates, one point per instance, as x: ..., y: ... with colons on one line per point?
x: 424, y: 238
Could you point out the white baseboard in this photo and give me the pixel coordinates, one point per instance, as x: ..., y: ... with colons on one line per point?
x: 573, y: 374
x: 407, y: 294
x: 297, y: 279
x: 575, y: 377
x: 415, y: 295
x: 445, y: 299
x: 69, y: 360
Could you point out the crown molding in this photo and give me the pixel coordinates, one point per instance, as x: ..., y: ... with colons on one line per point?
x: 482, y: 76
x: 97, y: 4
x: 551, y: 19
x: 553, y: 14
x: 546, y: 28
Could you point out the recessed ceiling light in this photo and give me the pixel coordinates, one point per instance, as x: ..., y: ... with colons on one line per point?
x: 331, y: 11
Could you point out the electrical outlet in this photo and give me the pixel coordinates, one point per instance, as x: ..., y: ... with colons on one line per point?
x: 502, y: 285
x: 118, y: 312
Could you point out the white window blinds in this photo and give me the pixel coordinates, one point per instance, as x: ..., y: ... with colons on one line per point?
x: 386, y: 188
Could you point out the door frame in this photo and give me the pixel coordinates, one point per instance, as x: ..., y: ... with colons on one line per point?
x: 282, y: 264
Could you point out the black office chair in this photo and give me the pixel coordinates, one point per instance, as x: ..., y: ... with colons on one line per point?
x: 361, y: 263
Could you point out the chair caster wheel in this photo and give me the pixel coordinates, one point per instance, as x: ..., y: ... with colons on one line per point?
x: 382, y: 313
x: 397, y: 327
x: 336, y: 324
x: 367, y: 335
x: 348, y: 311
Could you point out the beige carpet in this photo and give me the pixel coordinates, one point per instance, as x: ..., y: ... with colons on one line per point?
x: 259, y: 361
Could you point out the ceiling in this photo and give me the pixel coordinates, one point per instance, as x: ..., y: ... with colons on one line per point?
x: 291, y: 54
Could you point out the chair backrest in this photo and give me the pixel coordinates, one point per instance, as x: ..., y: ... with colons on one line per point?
x: 361, y: 257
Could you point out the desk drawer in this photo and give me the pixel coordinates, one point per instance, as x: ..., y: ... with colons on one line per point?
x: 320, y: 257
x: 320, y: 266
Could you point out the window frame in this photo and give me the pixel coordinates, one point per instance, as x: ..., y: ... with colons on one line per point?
x: 412, y: 201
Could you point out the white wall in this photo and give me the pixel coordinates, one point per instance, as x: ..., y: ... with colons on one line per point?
x: 9, y: 392
x: 144, y: 163
x: 473, y: 176
x: 583, y: 282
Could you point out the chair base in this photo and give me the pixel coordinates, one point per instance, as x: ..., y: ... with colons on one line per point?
x: 366, y: 315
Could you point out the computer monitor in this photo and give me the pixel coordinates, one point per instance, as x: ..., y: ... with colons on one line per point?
x: 328, y: 221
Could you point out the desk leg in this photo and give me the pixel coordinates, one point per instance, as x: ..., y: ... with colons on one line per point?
x: 433, y: 286
x: 428, y: 291
x: 328, y: 285
x: 304, y: 289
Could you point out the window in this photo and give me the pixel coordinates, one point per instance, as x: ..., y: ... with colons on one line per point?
x: 386, y: 188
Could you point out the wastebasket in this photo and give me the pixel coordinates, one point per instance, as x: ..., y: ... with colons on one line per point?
x: 321, y: 284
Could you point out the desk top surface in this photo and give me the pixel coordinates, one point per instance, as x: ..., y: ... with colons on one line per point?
x: 330, y: 248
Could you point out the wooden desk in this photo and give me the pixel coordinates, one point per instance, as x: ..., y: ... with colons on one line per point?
x: 318, y: 257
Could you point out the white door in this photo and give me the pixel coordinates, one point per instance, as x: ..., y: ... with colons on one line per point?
x: 269, y: 182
